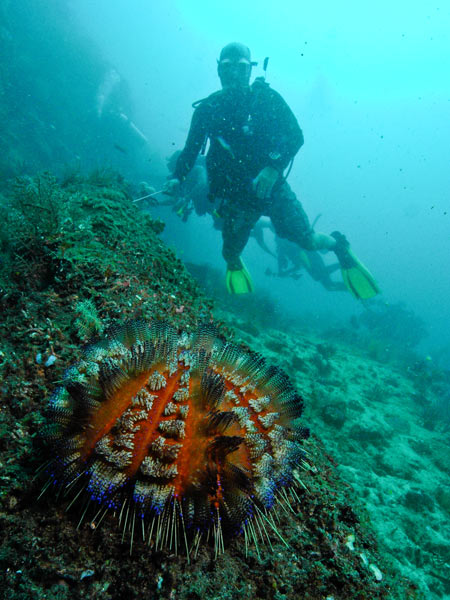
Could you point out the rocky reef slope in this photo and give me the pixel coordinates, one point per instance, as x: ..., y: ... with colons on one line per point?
x: 79, y: 256
x: 386, y: 422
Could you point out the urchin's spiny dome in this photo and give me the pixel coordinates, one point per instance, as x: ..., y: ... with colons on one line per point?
x: 185, y: 428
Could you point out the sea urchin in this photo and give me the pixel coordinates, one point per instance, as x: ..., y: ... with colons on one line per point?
x: 190, y: 435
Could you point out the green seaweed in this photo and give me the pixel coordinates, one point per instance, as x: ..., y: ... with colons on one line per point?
x: 88, y: 324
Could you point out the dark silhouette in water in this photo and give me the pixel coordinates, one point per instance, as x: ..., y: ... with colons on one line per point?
x: 292, y: 260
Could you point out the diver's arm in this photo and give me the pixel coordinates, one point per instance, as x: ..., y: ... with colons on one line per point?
x: 194, y: 142
x: 264, y: 182
x: 287, y: 138
x: 285, y: 141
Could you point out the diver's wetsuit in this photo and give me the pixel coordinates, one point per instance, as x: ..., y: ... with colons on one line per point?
x: 248, y: 129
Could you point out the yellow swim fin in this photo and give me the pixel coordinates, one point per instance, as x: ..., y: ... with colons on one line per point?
x: 357, y: 278
x: 238, y: 281
x: 305, y: 260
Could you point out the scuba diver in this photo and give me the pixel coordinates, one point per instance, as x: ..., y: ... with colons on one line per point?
x: 292, y: 259
x: 112, y: 94
x: 253, y: 137
x: 118, y: 141
x: 192, y: 194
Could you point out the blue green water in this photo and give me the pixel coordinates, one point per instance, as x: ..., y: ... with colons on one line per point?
x: 110, y: 85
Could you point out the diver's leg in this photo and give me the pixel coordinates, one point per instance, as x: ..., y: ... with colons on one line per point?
x: 316, y: 267
x: 323, y: 241
x: 289, y: 219
x: 237, y: 225
x: 291, y: 222
x: 333, y: 268
x: 320, y: 272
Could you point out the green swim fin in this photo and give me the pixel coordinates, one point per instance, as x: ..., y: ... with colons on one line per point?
x: 238, y: 281
x: 357, y: 278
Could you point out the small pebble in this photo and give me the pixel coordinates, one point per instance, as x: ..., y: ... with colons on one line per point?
x: 376, y: 571
x: 350, y: 542
x: 87, y: 573
x: 50, y: 360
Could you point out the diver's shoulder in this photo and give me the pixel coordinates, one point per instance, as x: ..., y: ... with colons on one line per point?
x: 260, y: 83
x: 260, y: 86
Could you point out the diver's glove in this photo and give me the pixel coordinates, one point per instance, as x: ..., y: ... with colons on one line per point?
x: 172, y: 187
x: 264, y: 182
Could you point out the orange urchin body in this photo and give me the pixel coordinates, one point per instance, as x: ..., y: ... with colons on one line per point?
x: 194, y: 434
